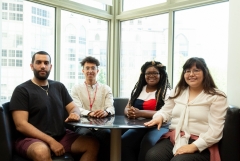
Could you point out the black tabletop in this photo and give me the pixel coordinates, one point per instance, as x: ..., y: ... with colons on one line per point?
x: 116, y: 121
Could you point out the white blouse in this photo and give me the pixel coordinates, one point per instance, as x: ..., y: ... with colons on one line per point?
x: 204, y: 116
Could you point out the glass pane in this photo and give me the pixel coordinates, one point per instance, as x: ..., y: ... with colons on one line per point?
x: 203, y: 32
x: 133, y: 4
x: 91, y: 3
x: 26, y: 28
x: 82, y: 36
x: 142, y: 40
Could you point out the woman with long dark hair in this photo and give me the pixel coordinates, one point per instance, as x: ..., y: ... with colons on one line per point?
x: 196, y: 109
x: 148, y: 96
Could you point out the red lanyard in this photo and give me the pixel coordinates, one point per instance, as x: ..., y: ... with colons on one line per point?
x: 91, y: 102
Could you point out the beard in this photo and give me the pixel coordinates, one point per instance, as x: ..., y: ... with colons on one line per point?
x: 38, y: 76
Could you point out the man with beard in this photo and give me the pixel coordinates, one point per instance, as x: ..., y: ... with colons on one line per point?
x: 40, y: 108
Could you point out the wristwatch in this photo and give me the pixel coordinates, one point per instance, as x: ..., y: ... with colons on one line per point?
x: 109, y: 113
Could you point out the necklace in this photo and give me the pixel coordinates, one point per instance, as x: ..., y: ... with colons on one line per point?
x: 46, y: 90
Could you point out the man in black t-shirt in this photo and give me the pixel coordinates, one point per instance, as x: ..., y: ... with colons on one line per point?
x: 39, y: 107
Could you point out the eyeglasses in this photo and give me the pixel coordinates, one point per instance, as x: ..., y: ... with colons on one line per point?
x: 194, y: 71
x: 151, y: 74
x: 90, y: 68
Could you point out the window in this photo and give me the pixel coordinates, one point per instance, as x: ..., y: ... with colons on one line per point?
x: 90, y: 52
x: 17, y: 43
x: 4, y: 15
x: 40, y: 16
x: 18, y: 63
x: 3, y: 97
x: 71, y: 55
x: 16, y: 16
x: 4, y: 53
x: 198, y: 36
x: 72, y: 39
x: 19, y: 7
x: 11, y: 53
x: 19, y: 17
x: 12, y: 16
x: 11, y: 62
x: 34, y: 10
x: 76, y: 26
x: 15, y: 7
x: 82, y: 41
x: 71, y: 75
x: 34, y: 19
x: 44, y: 22
x: 39, y: 12
x: 133, y: 4
x: 28, y: 27
x: 12, y: 7
x: 4, y: 62
x: 32, y: 53
x: 135, y: 50
x: 44, y: 13
x: 4, y: 6
x: 91, y: 3
x: 18, y: 53
x: 81, y: 76
x: 103, y: 58
x: 39, y: 21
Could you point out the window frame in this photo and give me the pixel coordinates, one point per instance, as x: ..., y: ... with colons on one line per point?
x: 114, y: 15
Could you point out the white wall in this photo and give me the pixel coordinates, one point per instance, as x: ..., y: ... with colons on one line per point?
x: 233, y: 80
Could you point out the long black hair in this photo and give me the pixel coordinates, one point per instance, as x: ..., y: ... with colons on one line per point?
x: 162, y: 85
x: 208, y: 83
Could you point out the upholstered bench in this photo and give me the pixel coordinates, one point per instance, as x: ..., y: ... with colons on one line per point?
x: 229, y: 146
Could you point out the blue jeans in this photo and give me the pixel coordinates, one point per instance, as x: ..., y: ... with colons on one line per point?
x: 136, y: 142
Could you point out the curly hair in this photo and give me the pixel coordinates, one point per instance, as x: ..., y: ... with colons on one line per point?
x: 162, y: 85
x: 209, y: 86
x: 90, y: 59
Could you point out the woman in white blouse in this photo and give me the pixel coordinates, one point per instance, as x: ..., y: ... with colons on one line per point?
x: 196, y: 109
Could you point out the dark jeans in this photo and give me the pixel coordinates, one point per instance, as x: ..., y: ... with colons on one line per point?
x: 103, y: 136
x: 162, y: 151
x: 136, y: 142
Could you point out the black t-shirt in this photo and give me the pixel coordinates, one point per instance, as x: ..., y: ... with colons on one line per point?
x: 46, y: 112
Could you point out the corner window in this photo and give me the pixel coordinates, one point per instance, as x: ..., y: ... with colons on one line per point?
x: 145, y: 41
x: 202, y: 32
x: 21, y: 37
x: 82, y: 34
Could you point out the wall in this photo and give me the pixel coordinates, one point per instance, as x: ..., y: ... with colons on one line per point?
x: 233, y: 80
